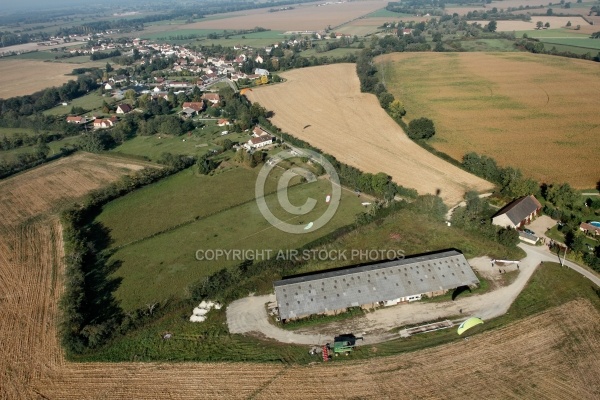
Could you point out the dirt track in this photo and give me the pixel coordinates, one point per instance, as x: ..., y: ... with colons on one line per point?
x: 324, y: 106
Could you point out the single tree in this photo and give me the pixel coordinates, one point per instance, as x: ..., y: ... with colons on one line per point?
x: 421, y: 128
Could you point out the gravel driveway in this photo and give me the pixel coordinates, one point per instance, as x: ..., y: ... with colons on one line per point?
x: 249, y: 315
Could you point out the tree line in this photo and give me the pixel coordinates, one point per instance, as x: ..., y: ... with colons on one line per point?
x: 90, y: 315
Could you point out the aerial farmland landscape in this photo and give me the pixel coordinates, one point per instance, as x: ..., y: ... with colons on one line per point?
x: 250, y: 199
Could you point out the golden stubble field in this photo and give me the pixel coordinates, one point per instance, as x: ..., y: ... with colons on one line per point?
x: 535, y: 112
x: 21, y: 77
x: 311, y: 16
x: 551, y: 355
x: 353, y: 127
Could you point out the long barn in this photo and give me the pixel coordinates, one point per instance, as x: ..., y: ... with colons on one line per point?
x: 383, y: 283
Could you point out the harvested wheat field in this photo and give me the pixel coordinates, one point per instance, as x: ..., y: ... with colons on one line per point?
x: 535, y: 112
x: 21, y: 77
x: 55, y: 184
x: 550, y: 355
x: 354, y: 128
x: 311, y: 16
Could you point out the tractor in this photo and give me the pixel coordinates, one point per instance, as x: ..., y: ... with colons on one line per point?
x: 343, y: 344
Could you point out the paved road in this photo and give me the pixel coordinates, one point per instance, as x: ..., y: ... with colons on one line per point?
x: 249, y: 314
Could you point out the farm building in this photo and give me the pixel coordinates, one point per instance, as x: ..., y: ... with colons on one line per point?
x: 382, y: 283
x: 518, y: 213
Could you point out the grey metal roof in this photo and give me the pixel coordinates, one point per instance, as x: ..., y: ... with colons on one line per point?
x: 351, y: 287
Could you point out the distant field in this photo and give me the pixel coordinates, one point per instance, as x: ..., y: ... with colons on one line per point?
x: 341, y: 52
x: 488, y: 45
x: 218, y: 212
x: 555, y: 22
x: 20, y: 77
x: 11, y: 155
x: 590, y: 44
x: 88, y: 102
x: 302, y: 17
x: 383, y: 13
x: 510, y: 106
x: 324, y: 106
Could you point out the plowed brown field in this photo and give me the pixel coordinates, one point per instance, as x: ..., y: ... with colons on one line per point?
x: 550, y: 355
x: 535, y: 112
x: 324, y: 106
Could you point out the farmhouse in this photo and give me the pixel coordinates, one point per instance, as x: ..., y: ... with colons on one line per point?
x: 197, y: 106
x: 518, y: 213
x: 211, y: 97
x: 123, y: 108
x: 382, y: 283
x: 223, y: 122
x: 258, y: 142
x: 76, y: 120
x: 100, y: 123
x: 259, y: 132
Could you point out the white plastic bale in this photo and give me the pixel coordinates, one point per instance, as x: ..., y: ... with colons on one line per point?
x: 197, y: 318
x: 199, y: 311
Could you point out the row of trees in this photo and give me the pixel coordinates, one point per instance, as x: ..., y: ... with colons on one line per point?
x: 14, y: 107
x: 90, y: 315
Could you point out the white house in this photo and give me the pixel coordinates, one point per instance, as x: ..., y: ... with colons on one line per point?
x: 262, y: 72
x: 259, y: 142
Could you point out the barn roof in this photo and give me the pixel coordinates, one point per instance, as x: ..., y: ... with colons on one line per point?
x: 365, y: 284
x: 520, y: 209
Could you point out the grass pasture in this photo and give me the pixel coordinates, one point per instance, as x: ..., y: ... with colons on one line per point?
x: 88, y: 102
x: 55, y: 146
x: 191, y: 213
x: 509, y: 106
x: 199, y: 142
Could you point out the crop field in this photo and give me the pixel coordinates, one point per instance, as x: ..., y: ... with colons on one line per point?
x: 509, y: 106
x: 193, y: 213
x: 548, y: 355
x: 35, y: 192
x: 20, y: 77
x: 303, y: 17
x: 324, y: 106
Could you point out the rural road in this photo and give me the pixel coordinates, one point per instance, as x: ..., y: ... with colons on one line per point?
x: 249, y: 315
